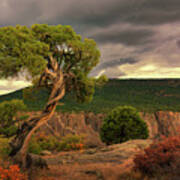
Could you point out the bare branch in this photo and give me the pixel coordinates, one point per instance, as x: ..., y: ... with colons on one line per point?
x: 54, y: 63
x: 50, y: 73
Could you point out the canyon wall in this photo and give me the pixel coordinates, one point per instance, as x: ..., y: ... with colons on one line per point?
x: 88, y: 124
x: 162, y: 123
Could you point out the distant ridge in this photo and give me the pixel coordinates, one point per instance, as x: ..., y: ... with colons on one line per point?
x: 145, y: 94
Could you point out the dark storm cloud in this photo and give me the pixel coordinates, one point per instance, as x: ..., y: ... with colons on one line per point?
x: 114, y: 74
x: 88, y: 14
x: 178, y: 43
x: 19, y: 12
x: 122, y: 28
x: 116, y: 63
x: 91, y: 13
x: 110, y: 72
x: 111, y: 68
x: 105, y: 13
x: 157, y: 12
x: 126, y: 37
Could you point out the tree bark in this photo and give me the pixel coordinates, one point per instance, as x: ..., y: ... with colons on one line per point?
x: 20, y: 143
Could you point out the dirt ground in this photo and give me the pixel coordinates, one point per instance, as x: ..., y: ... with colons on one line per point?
x: 106, y: 163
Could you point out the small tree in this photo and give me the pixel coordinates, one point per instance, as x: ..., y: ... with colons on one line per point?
x: 8, y: 116
x: 51, y: 56
x: 122, y: 124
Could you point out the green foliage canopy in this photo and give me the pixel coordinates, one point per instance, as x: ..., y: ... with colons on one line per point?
x: 28, y: 49
x: 122, y: 124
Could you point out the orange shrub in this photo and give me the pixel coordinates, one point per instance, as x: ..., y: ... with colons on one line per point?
x: 160, y: 157
x: 78, y: 146
x: 12, y: 173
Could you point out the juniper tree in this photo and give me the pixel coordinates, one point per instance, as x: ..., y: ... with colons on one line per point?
x: 51, y: 56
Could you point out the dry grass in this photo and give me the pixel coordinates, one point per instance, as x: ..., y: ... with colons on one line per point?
x: 93, y: 171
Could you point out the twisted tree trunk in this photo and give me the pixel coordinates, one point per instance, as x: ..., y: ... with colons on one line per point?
x: 20, y: 143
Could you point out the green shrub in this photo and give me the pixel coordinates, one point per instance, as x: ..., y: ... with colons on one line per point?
x: 49, y: 143
x: 8, y: 116
x: 9, y: 131
x: 42, y: 142
x: 122, y: 124
x: 68, y: 142
x: 4, y: 148
x: 34, y: 146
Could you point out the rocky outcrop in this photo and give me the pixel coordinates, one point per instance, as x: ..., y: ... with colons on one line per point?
x: 106, y: 163
x: 162, y: 123
x: 87, y: 125
x: 116, y: 153
x: 159, y: 123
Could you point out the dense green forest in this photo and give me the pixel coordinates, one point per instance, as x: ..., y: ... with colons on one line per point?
x: 145, y: 95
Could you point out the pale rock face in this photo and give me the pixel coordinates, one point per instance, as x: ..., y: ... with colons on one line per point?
x: 87, y: 125
x: 162, y: 123
x: 159, y: 123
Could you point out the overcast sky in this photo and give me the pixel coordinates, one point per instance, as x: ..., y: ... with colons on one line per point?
x: 137, y: 38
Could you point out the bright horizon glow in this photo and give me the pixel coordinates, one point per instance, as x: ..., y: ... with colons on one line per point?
x: 8, y: 86
x: 17, y: 85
